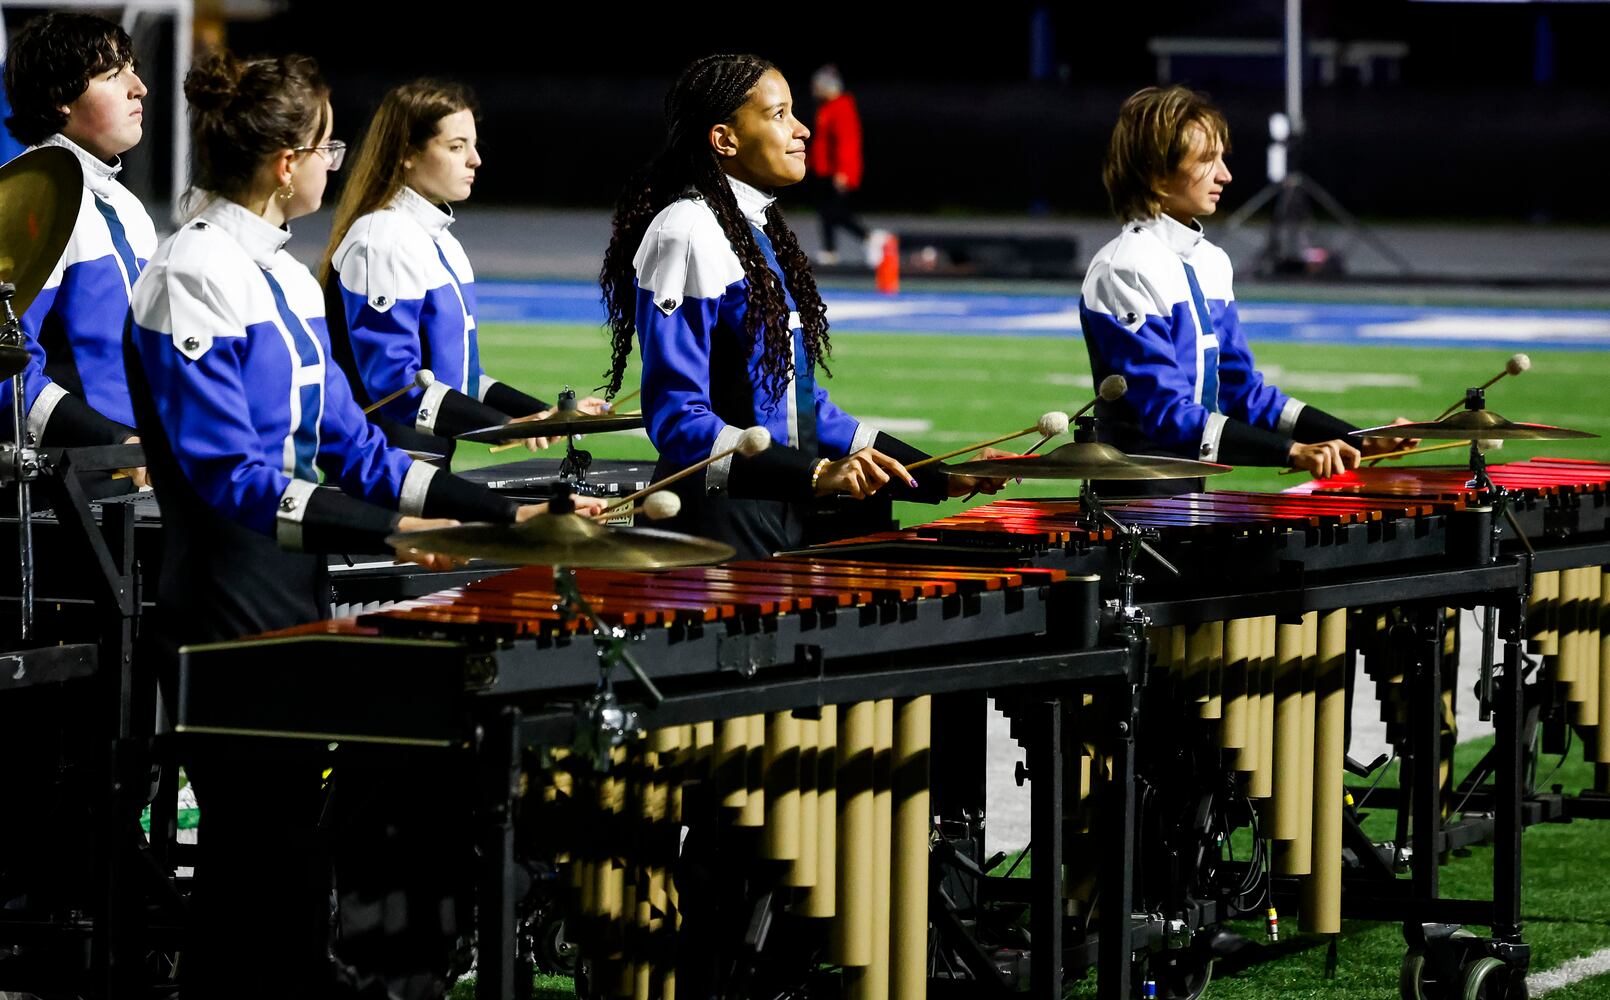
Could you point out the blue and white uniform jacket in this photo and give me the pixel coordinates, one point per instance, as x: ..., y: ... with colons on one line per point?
x: 75, y: 325
x: 702, y: 384
x: 407, y: 301
x: 1157, y: 307
x: 240, y: 412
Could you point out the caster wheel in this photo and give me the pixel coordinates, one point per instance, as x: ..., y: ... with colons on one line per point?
x: 1182, y: 975
x: 1489, y: 979
x: 1437, y: 977
x: 555, y: 953
x: 1411, y: 981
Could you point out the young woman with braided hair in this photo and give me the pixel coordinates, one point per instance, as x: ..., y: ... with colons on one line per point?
x: 703, y: 270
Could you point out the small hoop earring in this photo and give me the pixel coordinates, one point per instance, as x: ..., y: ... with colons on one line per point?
x: 285, y: 192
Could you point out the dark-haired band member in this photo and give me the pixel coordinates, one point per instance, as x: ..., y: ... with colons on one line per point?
x: 398, y: 286
x: 1158, y: 308
x: 705, y: 273
x: 241, y: 413
x: 72, y: 83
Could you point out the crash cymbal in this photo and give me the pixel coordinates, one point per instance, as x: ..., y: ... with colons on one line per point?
x: 557, y: 425
x: 423, y: 456
x: 1087, y: 460
x: 567, y: 540
x: 12, y: 360
x: 40, y: 192
x: 1474, y: 424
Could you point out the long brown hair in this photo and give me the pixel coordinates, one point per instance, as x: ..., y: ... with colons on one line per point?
x: 1155, y: 130
x: 406, y: 120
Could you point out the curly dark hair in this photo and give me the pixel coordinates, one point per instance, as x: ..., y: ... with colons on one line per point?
x: 50, y: 63
x: 710, y: 91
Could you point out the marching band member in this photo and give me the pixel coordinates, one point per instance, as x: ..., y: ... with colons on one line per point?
x: 704, y: 272
x: 399, y: 289
x: 72, y: 83
x: 1157, y: 307
x: 240, y: 411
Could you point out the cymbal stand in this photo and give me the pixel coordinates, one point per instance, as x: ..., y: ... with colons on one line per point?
x: 602, y: 724
x: 1476, y: 399
x: 1132, y: 541
x: 23, y: 468
x: 573, y: 469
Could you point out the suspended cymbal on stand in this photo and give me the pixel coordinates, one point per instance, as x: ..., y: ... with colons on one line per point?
x: 1474, y: 423
x: 1087, y: 460
x: 40, y: 193
x: 567, y: 540
x: 556, y: 425
x: 39, y: 198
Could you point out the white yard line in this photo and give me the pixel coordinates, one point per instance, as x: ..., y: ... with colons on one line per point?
x: 1574, y: 971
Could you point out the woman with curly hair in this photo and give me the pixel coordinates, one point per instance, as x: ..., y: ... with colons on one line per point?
x: 704, y: 271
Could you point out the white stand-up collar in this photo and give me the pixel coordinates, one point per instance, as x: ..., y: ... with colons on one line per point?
x: 261, y: 239
x: 435, y: 218
x: 752, y: 201
x: 1177, y: 236
x: 98, y: 174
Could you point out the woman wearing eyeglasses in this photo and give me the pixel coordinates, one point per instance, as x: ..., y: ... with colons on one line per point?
x: 240, y: 413
x: 399, y: 290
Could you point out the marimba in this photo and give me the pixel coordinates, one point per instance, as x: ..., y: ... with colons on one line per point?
x: 1563, y: 508
x: 783, y: 681
x: 1244, y: 711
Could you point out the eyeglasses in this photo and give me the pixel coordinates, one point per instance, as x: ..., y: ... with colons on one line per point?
x: 335, y: 151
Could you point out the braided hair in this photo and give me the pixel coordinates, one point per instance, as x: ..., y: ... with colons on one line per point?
x: 710, y: 91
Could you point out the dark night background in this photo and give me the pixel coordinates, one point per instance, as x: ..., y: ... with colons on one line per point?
x: 1499, y: 111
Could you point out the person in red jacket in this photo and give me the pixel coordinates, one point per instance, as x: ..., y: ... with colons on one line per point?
x: 835, y: 159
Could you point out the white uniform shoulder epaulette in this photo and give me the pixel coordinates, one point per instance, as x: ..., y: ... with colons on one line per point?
x: 684, y: 254
x: 385, y: 257
x: 191, y: 285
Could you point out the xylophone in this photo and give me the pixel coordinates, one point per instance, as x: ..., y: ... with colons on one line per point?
x: 1244, y: 711
x: 789, y: 685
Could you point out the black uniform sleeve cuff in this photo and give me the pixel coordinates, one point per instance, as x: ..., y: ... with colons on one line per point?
x: 335, y: 522
x: 458, y: 413
x: 74, y: 423
x: 778, y: 473
x: 400, y: 435
x: 1243, y: 444
x: 450, y: 496
x: 933, y: 485
x: 511, y: 401
x: 1315, y: 425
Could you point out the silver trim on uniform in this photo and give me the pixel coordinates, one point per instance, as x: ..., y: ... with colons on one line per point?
x: 291, y: 509
x: 487, y: 382
x: 430, y: 407
x: 44, y: 406
x: 863, y: 437
x: 716, y: 476
x: 1211, y: 432
x: 1288, y: 415
x: 415, y: 484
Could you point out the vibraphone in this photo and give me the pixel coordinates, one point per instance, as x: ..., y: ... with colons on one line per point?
x: 1244, y: 724
x: 788, y: 685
